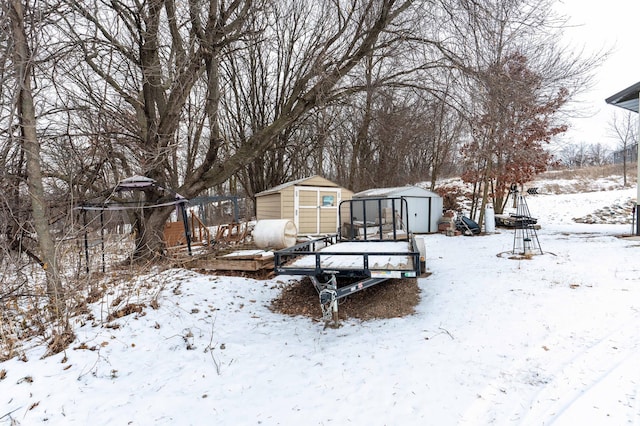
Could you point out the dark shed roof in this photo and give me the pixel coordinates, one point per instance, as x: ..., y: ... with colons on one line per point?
x: 627, y: 98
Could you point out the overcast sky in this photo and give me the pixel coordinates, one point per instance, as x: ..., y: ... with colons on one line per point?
x: 598, y: 25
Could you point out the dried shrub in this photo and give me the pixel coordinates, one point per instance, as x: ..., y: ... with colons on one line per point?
x: 131, y: 308
x: 59, y: 342
x: 452, y: 196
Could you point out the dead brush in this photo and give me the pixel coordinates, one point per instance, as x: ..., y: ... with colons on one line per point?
x: 22, y: 314
x: 8, y: 346
x: 131, y: 291
x: 60, y: 340
x: 131, y: 308
x: 24, y: 303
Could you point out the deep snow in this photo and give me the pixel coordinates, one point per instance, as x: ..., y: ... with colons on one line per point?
x: 551, y: 340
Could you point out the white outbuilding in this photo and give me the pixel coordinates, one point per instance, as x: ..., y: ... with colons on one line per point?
x: 424, y: 207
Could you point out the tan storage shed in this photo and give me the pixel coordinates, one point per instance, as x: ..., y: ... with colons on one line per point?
x: 310, y: 203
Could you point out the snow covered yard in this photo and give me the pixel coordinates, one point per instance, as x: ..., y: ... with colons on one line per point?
x: 551, y: 340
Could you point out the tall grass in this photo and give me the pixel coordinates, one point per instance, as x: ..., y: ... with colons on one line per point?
x: 592, y: 173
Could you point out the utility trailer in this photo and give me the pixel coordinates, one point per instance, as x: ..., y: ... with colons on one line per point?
x: 372, y: 245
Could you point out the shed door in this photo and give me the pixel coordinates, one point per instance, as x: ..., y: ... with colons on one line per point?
x: 316, y: 209
x: 420, y: 210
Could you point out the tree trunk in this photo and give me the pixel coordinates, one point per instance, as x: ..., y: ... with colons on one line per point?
x: 149, y: 227
x: 31, y: 147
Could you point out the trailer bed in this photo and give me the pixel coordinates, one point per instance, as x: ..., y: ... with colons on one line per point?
x: 379, y: 259
x: 358, y: 256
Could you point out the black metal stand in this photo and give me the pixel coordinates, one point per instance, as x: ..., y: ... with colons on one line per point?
x: 187, y: 230
x: 525, y: 239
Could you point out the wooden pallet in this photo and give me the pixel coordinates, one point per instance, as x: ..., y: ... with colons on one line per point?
x: 243, y: 260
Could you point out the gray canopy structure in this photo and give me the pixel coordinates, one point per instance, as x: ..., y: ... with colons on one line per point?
x: 629, y: 99
x: 115, y: 201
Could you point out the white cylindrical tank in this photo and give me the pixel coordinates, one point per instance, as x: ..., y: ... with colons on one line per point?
x: 275, y: 233
x: 489, y: 219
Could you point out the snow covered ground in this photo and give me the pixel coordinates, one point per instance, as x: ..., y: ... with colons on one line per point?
x: 554, y: 340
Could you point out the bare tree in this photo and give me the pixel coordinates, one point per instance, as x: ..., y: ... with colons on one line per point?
x: 263, y: 79
x: 575, y: 155
x: 257, y: 87
x: 599, y: 155
x: 486, y: 39
x: 26, y: 122
x: 167, y: 62
x: 445, y: 130
x: 625, y: 130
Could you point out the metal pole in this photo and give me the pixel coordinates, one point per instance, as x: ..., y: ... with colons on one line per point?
x: 187, y: 231
x: 236, y: 209
x: 638, y: 171
x: 86, y: 240
x: 364, y: 217
x: 102, y: 237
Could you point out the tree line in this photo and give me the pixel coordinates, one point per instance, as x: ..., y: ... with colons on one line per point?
x: 213, y: 96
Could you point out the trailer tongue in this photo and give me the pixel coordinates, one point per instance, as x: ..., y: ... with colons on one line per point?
x: 371, y: 246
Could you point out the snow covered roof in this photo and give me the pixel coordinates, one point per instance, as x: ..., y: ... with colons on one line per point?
x: 134, y: 183
x: 296, y: 182
x: 398, y: 191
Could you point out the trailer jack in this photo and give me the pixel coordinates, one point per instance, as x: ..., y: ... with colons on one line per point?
x: 327, y: 287
x: 329, y: 305
x: 328, y: 292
